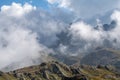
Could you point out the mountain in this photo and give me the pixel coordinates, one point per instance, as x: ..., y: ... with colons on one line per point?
x: 103, y: 56
x: 58, y: 71
x: 107, y: 27
x: 66, y: 59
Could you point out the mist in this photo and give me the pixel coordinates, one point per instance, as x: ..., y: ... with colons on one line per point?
x: 85, y: 38
x: 19, y: 44
x: 28, y: 35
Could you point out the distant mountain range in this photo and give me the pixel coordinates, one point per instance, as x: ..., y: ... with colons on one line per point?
x: 103, y: 56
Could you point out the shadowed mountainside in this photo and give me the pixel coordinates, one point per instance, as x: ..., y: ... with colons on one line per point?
x: 106, y: 56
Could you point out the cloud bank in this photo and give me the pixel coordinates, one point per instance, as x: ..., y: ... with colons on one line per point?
x: 88, y: 37
x: 87, y: 9
x: 29, y: 34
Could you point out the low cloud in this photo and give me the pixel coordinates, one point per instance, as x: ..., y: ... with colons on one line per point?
x: 87, y: 37
x: 25, y: 33
x: 20, y: 47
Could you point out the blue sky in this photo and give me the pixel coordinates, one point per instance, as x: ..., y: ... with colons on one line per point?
x: 38, y: 3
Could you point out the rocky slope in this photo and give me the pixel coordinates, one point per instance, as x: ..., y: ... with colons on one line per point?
x: 58, y: 71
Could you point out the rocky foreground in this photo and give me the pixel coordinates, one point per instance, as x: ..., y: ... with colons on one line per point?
x: 58, y: 71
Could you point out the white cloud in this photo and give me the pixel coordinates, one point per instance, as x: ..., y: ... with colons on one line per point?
x: 17, y: 9
x: 20, y: 26
x: 115, y: 33
x: 85, y: 36
x: 85, y: 31
x: 52, y: 1
x: 17, y: 44
x: 116, y: 16
x: 35, y: 19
